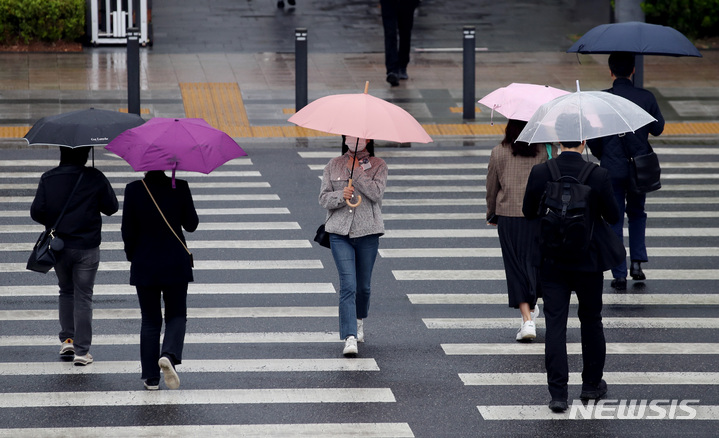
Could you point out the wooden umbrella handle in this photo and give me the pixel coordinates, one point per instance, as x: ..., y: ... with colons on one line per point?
x: 359, y: 197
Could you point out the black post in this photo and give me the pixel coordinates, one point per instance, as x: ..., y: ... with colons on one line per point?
x: 133, y: 70
x: 638, y: 70
x: 468, y: 73
x: 300, y: 68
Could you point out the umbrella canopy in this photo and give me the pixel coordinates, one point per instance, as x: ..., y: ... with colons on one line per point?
x: 636, y: 37
x: 88, y: 127
x: 520, y: 101
x: 363, y: 116
x: 175, y: 144
x: 583, y: 115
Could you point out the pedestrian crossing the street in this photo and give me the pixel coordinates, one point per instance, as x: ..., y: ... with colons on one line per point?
x: 256, y: 274
x: 436, y: 237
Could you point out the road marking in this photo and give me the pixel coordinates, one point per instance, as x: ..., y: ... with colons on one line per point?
x: 436, y: 233
x: 659, y: 348
x: 194, y: 244
x: 542, y: 412
x: 195, y: 185
x: 190, y: 338
x: 497, y: 252
x: 289, y: 430
x: 432, y: 216
x: 616, y: 378
x: 428, y: 202
x: 285, y: 365
x: 498, y: 274
x: 607, y: 299
x: 435, y: 153
x: 196, y: 397
x: 200, y: 212
x: 195, y: 198
x: 437, y: 166
x: 610, y: 323
x: 99, y: 162
x: 192, y: 312
x: 204, y: 226
x: 208, y: 265
x: 193, y: 289
x: 189, y: 176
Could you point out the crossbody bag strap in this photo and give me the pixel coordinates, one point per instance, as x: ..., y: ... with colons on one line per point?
x: 62, y: 213
x: 165, y: 219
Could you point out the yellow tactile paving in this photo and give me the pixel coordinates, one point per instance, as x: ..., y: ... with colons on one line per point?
x: 219, y: 103
x: 434, y: 130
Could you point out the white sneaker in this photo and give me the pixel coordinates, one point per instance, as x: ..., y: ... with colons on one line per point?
x: 360, y: 330
x: 527, y: 331
x: 67, y: 349
x: 172, y: 380
x: 535, y: 313
x: 350, y: 346
x: 82, y: 360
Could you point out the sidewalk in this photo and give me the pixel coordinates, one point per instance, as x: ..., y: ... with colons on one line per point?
x: 251, y: 95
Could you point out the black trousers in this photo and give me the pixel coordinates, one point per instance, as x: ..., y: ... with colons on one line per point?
x: 557, y: 286
x: 397, y: 19
x: 175, y: 297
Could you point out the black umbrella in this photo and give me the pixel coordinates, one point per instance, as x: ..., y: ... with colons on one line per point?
x: 638, y: 38
x: 89, y: 127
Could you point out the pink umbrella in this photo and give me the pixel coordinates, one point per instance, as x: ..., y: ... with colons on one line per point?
x: 362, y: 116
x: 175, y: 144
x: 519, y: 101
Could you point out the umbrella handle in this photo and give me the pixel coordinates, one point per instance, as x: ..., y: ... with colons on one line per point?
x: 359, y: 198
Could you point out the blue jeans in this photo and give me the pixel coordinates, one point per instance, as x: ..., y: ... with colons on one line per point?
x: 150, y: 298
x: 633, y: 205
x: 76, y: 270
x: 354, y: 258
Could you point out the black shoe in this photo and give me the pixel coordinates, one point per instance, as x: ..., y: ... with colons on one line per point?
x: 619, y: 283
x: 590, y: 392
x: 280, y: 4
x: 402, y: 74
x: 392, y: 79
x: 291, y: 2
x: 558, y: 406
x: 636, y: 271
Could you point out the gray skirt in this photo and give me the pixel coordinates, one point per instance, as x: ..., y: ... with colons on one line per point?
x: 518, y: 239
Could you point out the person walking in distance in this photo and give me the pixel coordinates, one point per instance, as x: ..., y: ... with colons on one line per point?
x: 581, y: 273
x: 80, y: 229
x: 509, y: 165
x: 355, y: 229
x: 614, y: 153
x: 397, y: 20
x: 153, y: 216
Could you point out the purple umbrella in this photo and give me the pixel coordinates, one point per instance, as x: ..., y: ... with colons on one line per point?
x: 175, y: 144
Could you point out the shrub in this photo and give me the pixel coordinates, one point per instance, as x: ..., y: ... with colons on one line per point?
x: 41, y: 20
x: 693, y: 18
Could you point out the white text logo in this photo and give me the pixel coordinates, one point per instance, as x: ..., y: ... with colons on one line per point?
x: 633, y: 410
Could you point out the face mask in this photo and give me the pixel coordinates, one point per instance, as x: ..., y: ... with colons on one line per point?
x: 352, y: 141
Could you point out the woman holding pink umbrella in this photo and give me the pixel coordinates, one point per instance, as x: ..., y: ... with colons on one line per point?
x: 352, y: 188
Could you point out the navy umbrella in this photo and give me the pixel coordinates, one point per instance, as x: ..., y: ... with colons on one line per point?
x: 636, y: 37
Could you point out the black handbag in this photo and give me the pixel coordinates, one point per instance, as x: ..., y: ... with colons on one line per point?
x: 44, y: 254
x: 644, y: 170
x: 322, y: 237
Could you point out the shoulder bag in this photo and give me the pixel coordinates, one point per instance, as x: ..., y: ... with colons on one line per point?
x: 44, y: 254
x: 644, y: 170
x: 192, y: 261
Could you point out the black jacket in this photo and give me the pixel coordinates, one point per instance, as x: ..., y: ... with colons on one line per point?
x: 157, y: 257
x: 81, y: 225
x: 606, y: 250
x: 610, y: 150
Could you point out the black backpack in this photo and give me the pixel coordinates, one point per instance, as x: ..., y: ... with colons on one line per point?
x: 566, y: 224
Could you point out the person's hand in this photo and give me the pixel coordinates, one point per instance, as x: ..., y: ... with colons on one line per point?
x: 490, y: 223
x: 348, y: 192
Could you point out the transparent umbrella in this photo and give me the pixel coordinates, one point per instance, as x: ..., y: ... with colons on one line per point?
x: 583, y: 115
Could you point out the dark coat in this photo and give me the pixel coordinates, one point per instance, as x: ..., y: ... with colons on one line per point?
x: 157, y: 257
x: 610, y: 150
x: 606, y: 250
x: 80, y: 227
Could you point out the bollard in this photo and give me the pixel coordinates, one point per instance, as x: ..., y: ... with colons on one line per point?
x: 133, y: 70
x: 468, y: 73
x: 300, y: 68
x: 638, y: 77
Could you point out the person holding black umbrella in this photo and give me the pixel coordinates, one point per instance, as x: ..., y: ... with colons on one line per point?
x: 80, y: 229
x: 353, y: 185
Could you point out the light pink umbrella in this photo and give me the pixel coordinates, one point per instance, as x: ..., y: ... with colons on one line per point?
x: 362, y: 116
x: 520, y: 101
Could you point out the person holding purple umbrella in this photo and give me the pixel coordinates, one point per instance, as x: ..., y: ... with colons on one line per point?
x: 353, y: 185
x: 153, y: 216
x: 509, y: 165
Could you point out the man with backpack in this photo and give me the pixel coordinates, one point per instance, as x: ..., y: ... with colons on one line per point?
x: 576, y: 246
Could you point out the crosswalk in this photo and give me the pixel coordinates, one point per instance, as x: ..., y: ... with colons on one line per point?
x: 233, y: 294
x: 436, y: 236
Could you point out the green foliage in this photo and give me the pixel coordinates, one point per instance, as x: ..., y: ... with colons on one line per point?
x: 693, y: 18
x: 41, y: 20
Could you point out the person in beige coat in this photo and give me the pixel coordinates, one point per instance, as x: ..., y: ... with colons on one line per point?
x: 509, y: 165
